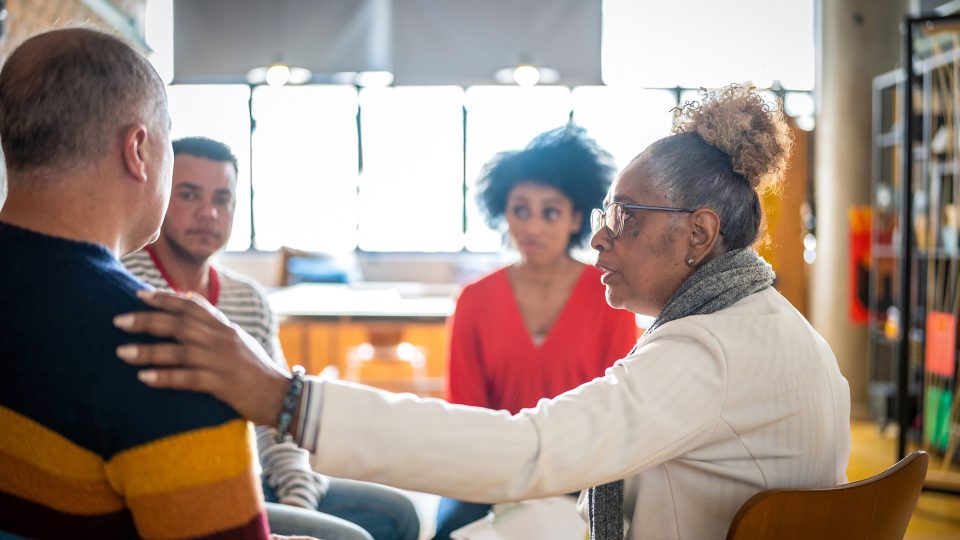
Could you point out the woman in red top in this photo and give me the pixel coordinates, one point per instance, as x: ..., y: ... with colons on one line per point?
x: 541, y: 326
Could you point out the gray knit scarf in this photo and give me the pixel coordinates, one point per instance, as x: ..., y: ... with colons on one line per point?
x: 716, y: 285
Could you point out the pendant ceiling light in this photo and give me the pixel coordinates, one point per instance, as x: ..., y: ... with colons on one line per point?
x: 279, y: 75
x: 526, y: 74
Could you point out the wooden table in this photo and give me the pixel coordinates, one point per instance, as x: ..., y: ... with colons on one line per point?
x: 323, y: 324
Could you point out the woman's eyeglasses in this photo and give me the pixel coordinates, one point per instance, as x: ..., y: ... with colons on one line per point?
x: 615, y: 213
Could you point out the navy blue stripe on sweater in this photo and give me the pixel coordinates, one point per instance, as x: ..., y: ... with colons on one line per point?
x: 58, y: 364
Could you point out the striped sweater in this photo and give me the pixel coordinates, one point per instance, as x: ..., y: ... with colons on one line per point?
x: 86, y: 450
x: 286, y: 467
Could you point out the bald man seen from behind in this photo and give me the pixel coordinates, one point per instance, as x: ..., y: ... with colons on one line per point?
x: 86, y: 450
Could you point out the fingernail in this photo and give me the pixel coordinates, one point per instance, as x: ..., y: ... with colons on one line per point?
x: 128, y: 352
x: 123, y: 321
x: 148, y: 376
x: 145, y: 294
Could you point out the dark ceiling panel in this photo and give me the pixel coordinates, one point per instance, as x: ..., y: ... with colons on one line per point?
x: 421, y: 41
x: 466, y: 41
x: 220, y: 40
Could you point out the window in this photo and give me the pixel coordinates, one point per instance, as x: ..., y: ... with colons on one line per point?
x: 411, y: 188
x: 305, y: 167
x: 395, y: 169
x: 219, y: 112
x: 503, y: 118
x: 623, y: 121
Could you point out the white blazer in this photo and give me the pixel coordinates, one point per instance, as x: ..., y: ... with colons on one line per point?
x: 710, y: 410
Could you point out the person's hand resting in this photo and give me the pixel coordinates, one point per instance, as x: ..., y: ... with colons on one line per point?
x: 210, y: 355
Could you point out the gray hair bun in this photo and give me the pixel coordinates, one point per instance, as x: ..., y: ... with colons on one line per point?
x: 737, y: 121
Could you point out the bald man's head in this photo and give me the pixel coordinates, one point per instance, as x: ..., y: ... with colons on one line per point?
x: 66, y: 94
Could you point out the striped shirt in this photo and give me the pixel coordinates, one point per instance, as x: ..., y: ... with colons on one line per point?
x: 86, y: 450
x: 286, y: 468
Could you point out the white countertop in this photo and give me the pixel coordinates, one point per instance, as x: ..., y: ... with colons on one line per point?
x: 365, y: 300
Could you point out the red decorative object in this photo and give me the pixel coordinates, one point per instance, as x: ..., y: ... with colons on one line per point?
x: 859, y: 263
x: 941, y: 343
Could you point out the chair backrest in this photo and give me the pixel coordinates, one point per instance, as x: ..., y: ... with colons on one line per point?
x: 878, y: 508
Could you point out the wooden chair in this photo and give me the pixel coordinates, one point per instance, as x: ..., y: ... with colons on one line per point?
x: 877, y: 508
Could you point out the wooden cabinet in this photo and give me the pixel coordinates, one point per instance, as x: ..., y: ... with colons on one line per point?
x: 366, y: 351
x: 392, y: 336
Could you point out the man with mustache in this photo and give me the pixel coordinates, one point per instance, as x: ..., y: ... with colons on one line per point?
x: 197, y: 225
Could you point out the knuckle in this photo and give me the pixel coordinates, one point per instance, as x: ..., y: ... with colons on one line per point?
x: 148, y: 323
x: 181, y: 328
x: 178, y: 379
x: 194, y: 334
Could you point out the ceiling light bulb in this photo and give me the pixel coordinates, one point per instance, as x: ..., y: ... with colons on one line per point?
x: 526, y: 75
x: 299, y: 75
x: 373, y: 79
x: 277, y: 75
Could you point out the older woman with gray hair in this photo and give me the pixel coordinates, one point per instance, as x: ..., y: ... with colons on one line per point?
x: 730, y: 392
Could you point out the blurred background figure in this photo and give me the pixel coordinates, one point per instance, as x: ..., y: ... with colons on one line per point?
x: 540, y: 326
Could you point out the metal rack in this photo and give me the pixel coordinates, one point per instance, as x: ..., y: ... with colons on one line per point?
x: 920, y: 177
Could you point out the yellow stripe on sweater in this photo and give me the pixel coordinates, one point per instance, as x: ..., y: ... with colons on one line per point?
x: 45, y: 449
x: 82, y: 497
x: 200, y: 510
x: 184, y: 460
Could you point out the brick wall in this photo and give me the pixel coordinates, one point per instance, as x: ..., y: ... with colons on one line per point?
x: 28, y: 17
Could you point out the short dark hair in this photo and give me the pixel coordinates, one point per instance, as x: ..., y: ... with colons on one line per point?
x: 565, y: 159
x: 65, y: 93
x: 206, y: 148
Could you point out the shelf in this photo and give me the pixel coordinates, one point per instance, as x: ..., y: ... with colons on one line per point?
x: 889, y: 139
x: 938, y: 254
x: 909, y: 154
x: 943, y: 167
x: 884, y: 251
x: 880, y: 338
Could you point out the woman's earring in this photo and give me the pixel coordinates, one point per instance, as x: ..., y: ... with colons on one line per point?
x: 690, y: 261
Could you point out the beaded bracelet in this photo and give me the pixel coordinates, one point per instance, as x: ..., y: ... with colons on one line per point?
x: 289, y: 404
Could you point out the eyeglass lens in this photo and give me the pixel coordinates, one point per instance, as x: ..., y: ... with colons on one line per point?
x: 611, y: 217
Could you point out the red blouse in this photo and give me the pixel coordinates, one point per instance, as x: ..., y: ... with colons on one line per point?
x: 494, y: 362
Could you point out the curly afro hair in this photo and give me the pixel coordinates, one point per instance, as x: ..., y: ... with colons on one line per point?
x: 726, y: 150
x: 565, y: 159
